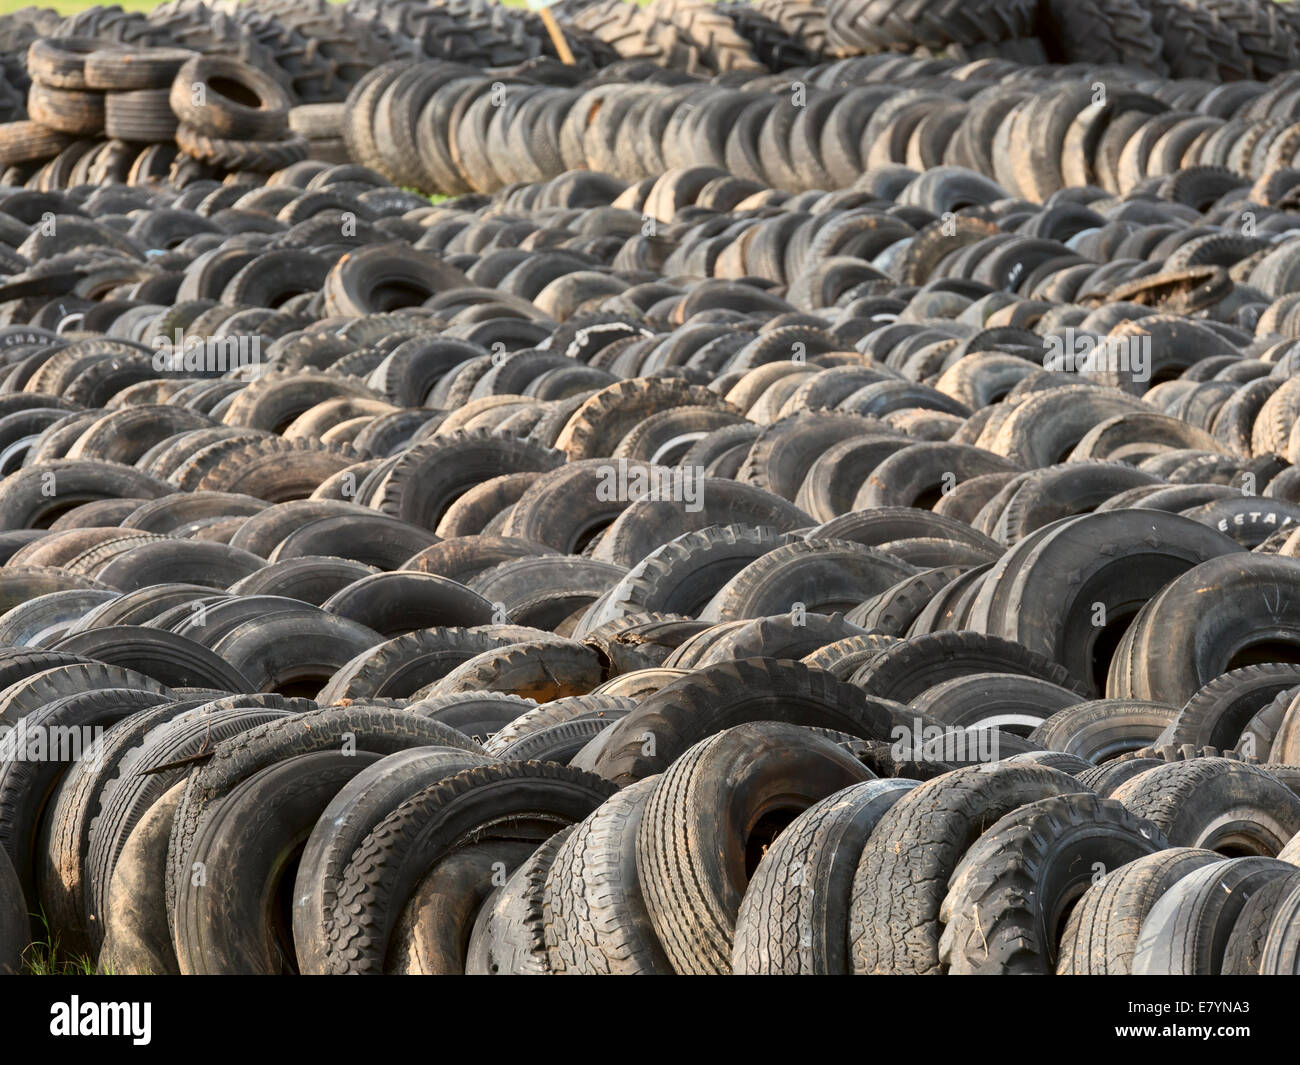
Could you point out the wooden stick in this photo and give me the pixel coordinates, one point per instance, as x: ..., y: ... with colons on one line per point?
x: 557, y: 37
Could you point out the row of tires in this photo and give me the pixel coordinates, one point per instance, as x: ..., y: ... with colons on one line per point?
x: 318, y: 50
x: 445, y: 127
x: 758, y: 848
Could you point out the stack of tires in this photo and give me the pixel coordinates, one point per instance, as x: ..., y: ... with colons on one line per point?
x: 836, y: 521
x: 233, y: 117
x: 101, y: 113
x: 694, y: 530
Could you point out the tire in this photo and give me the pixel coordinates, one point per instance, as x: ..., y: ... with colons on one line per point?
x: 27, y: 782
x: 542, y: 716
x: 649, y: 523
x: 715, y: 698
x: 137, y: 938
x: 26, y: 142
x: 1244, y: 953
x: 793, y: 919
x: 165, y: 657
x: 436, y: 929
x: 396, y: 603
x: 917, y: 664
x: 310, y: 579
x: 31, y: 692
x: 363, y: 729
x: 1215, y: 803
x: 1178, y: 641
x: 1024, y: 599
x: 594, y: 915
x: 480, y: 717
x: 1217, y: 715
x: 819, y: 576
x: 224, y: 98
x: 240, y: 856
x: 24, y: 505
x: 1281, y: 951
x: 60, y: 61
x: 545, y: 668
x: 903, y: 873
x: 682, y: 575
x: 1117, y: 31
x: 534, y: 797
x: 428, y: 477
x: 264, y: 156
x: 693, y: 865
x: 1007, y: 701
x: 558, y: 743
x: 887, y: 25
x: 346, y: 821
x: 1188, y: 929
x: 1013, y: 889
x: 14, y: 920
x: 127, y: 70
x: 1101, y: 932
x: 140, y: 115
x: 381, y: 278
x: 374, y: 540
x: 397, y: 668
x: 1103, y: 729
x: 71, y: 111
x: 508, y: 938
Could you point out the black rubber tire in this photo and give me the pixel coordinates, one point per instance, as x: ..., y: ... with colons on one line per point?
x: 344, y: 824
x: 690, y: 709
x: 508, y: 938
x: 903, y: 873
x: 818, y: 576
x: 29, y: 776
x: 793, y: 919
x: 594, y: 917
x: 364, y: 729
x: 1186, y: 932
x: 1217, y: 714
x: 917, y: 664
x: 1281, y: 952
x: 1101, y: 931
x: 221, y: 97
x: 137, y: 939
x: 532, y: 797
x: 693, y: 865
x: 1102, y: 729
x: 240, y: 857
x: 1013, y: 889
x: 1010, y: 702
x: 1215, y: 803
x: 1181, y: 639
x: 399, y: 602
x: 1244, y: 953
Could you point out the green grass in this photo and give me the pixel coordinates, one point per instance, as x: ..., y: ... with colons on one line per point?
x: 45, y: 958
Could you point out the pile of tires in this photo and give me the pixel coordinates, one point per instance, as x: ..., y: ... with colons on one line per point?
x: 138, y: 114
x: 625, y: 513
x: 792, y: 511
